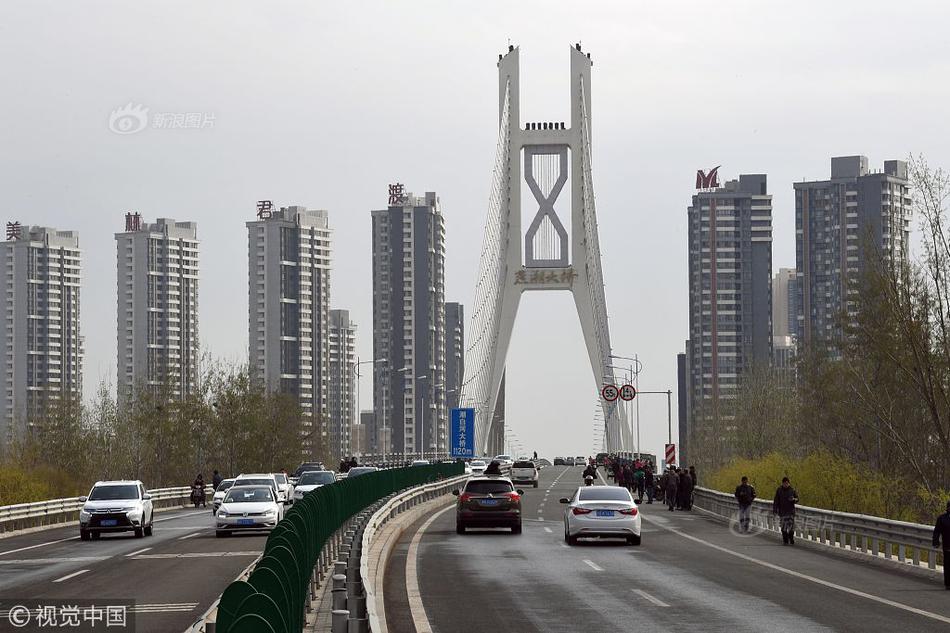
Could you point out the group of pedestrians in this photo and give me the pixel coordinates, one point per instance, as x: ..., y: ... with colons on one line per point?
x: 783, y: 504
x: 347, y: 464
x: 635, y: 475
x: 677, y: 485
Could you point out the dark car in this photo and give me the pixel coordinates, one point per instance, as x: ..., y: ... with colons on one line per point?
x: 307, y: 466
x: 488, y: 502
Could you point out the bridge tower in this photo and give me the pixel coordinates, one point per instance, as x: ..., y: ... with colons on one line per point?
x: 544, y: 256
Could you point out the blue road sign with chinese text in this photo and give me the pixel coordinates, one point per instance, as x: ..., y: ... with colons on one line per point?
x: 462, y: 436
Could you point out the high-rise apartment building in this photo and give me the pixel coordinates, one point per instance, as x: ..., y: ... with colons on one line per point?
x: 784, y: 317
x: 730, y: 291
x: 157, y: 307
x: 342, y: 393
x: 289, y: 312
x: 836, y: 221
x: 454, y: 353
x: 41, y: 349
x: 409, y: 323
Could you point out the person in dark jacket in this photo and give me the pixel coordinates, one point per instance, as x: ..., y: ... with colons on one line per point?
x: 670, y: 491
x: 686, y: 482
x: 942, y: 534
x: 650, y: 483
x: 745, y: 495
x: 784, y: 506
x: 494, y: 468
x: 216, y: 479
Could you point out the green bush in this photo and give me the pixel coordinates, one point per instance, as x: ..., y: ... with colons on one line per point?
x: 823, y: 480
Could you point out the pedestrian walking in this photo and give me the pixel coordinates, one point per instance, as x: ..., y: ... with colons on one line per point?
x: 670, y: 489
x: 650, y: 483
x: 216, y: 479
x: 745, y: 495
x: 942, y: 535
x: 685, y: 490
x: 639, y: 478
x: 784, y: 506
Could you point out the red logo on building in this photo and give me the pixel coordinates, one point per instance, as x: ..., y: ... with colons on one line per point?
x: 708, y: 181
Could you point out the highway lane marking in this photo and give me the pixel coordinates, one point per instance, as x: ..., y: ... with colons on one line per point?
x: 549, y: 530
x: 75, y: 559
x: 138, y: 551
x: 593, y: 565
x: 817, y: 581
x: 23, y: 549
x: 182, y: 538
x: 76, y: 538
x: 416, y: 608
x: 643, y: 594
x: 192, y: 555
x: 72, y: 575
x: 174, y: 607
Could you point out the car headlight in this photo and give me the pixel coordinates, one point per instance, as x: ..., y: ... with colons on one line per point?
x: 222, y: 515
x: 84, y: 516
x: 133, y: 512
x: 270, y: 513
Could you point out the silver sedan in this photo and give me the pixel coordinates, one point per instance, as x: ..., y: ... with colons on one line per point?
x: 601, y: 511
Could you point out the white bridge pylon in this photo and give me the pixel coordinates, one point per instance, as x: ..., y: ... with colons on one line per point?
x: 542, y: 258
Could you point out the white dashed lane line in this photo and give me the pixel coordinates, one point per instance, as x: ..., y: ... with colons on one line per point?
x: 138, y: 551
x: 593, y: 565
x: 549, y: 530
x: 72, y: 575
x: 643, y: 594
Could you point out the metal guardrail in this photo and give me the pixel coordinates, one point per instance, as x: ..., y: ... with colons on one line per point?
x: 387, y: 512
x: 60, y: 511
x: 899, y: 541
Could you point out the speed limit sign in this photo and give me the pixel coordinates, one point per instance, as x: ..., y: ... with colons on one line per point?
x: 628, y: 392
x: 610, y: 393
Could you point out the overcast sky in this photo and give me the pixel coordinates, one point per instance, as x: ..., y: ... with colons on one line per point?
x: 323, y: 104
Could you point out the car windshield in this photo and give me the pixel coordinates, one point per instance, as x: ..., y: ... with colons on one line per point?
x: 523, y: 465
x: 315, y: 478
x: 488, y: 487
x: 225, y: 485
x: 113, y: 493
x: 477, y: 462
x: 246, y: 494
x: 360, y: 470
x: 254, y: 482
x: 604, y: 493
x: 281, y: 478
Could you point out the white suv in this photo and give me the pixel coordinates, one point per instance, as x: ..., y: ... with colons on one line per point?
x: 524, y: 472
x: 116, y: 506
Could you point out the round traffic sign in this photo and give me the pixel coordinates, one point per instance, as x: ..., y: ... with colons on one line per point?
x: 628, y: 392
x: 610, y: 393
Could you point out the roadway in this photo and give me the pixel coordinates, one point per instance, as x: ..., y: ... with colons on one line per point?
x: 690, y: 573
x: 173, y: 576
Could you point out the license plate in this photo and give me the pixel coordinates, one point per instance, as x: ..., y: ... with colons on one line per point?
x: 489, y: 502
x: 245, y: 521
x: 109, y: 522
x: 605, y: 513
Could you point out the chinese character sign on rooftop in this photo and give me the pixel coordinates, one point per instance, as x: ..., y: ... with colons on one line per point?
x: 265, y: 209
x: 397, y: 194
x: 462, y: 436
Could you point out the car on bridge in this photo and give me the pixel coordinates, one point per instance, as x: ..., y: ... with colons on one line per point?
x: 505, y: 461
x: 478, y: 466
x: 116, y: 506
x: 356, y: 471
x: 219, y: 493
x: 524, y: 472
x: 601, y: 511
x: 248, y: 508
x: 285, y: 486
x: 488, y: 502
x: 311, y: 480
x: 262, y: 479
x: 580, y: 461
x: 304, y: 467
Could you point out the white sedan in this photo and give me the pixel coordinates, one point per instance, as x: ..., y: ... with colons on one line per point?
x: 311, y: 480
x: 478, y: 466
x: 602, y: 511
x: 248, y: 508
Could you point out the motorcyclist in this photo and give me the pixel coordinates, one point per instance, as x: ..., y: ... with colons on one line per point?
x: 198, y: 491
x: 590, y: 473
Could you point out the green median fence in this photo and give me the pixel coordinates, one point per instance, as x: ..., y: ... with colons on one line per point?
x: 273, y: 598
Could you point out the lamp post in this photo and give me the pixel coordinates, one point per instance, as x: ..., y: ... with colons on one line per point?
x: 356, y: 371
